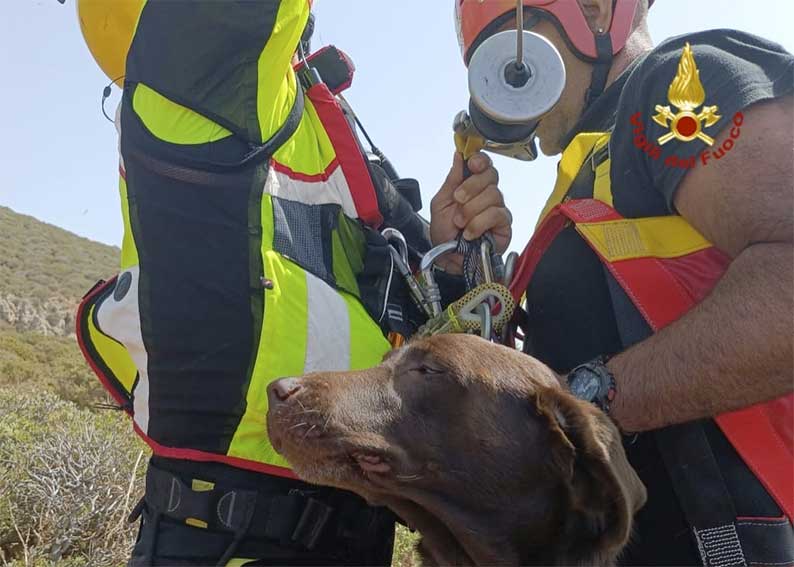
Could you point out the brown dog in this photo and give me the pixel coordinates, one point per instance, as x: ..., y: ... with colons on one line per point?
x: 475, y: 445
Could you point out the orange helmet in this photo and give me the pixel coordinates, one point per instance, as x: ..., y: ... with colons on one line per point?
x: 478, y: 18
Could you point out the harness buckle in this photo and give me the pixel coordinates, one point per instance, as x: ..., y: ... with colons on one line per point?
x: 312, y: 523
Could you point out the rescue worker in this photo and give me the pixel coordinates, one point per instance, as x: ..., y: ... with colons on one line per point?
x: 659, y: 279
x: 251, y: 251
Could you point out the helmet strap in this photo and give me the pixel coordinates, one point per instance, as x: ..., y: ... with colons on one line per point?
x: 601, y: 68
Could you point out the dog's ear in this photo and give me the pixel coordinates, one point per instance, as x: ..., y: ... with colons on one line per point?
x: 605, y: 491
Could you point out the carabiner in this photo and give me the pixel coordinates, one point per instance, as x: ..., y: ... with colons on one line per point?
x: 432, y: 291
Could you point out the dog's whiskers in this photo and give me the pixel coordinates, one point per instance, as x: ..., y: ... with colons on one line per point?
x: 327, y: 421
x: 409, y: 478
x: 308, y: 411
x: 309, y: 431
x: 297, y: 425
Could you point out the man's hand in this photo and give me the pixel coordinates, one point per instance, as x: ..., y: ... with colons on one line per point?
x: 474, y: 206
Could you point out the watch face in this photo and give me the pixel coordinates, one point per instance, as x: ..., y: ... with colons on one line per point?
x: 585, y: 385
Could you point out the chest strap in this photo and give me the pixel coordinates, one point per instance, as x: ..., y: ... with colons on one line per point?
x: 655, y: 279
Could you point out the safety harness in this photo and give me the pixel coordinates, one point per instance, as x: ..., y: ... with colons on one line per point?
x: 666, y: 267
x: 313, y: 519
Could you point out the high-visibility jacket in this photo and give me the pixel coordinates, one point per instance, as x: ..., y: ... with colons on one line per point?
x: 239, y: 264
x: 665, y: 267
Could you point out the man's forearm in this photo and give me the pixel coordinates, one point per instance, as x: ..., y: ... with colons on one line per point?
x: 733, y: 350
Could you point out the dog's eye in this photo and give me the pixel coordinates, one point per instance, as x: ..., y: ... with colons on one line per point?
x: 429, y: 370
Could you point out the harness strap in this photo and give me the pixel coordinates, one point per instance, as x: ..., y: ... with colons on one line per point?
x: 601, y: 68
x: 697, y: 480
x: 601, y: 164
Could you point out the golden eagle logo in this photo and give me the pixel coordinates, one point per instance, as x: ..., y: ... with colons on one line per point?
x: 686, y: 93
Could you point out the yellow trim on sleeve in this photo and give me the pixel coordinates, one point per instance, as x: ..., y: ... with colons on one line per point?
x: 172, y: 122
x: 129, y: 252
x: 655, y: 237
x: 276, y: 79
x: 113, y: 354
x: 309, y: 151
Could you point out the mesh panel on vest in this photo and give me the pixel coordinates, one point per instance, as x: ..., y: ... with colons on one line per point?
x: 299, y: 235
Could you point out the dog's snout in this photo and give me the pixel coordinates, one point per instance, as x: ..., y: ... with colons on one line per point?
x: 283, y: 389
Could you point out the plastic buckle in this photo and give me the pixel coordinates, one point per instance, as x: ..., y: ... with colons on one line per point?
x: 310, y: 526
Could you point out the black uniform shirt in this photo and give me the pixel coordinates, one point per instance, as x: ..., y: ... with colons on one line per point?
x: 572, y: 300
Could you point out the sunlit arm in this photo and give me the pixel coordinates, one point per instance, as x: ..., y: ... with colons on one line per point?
x: 735, y: 348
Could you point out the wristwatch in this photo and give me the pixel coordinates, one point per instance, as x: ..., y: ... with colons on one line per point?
x: 593, y: 382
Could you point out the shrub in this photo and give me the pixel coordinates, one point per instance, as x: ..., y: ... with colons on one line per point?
x: 68, y: 479
x: 52, y: 363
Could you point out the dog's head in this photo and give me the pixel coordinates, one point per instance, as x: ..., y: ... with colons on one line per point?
x: 475, y: 445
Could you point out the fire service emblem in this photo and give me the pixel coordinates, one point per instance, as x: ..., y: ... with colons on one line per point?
x: 686, y: 94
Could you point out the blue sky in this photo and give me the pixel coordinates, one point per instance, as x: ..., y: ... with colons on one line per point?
x: 58, y: 158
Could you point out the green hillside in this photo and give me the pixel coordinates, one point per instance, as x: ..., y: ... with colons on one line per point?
x: 39, y: 260
x: 44, y: 271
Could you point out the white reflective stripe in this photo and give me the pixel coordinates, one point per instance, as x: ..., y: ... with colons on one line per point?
x: 334, y: 191
x: 121, y: 320
x: 328, y: 332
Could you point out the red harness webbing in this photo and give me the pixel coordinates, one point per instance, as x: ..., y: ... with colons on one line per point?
x: 761, y: 434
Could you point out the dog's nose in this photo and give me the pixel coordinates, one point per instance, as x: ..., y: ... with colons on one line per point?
x: 283, y: 389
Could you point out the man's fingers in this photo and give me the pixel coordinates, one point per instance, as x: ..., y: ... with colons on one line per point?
x: 490, y: 197
x: 475, y: 185
x: 495, y: 219
x: 479, y: 162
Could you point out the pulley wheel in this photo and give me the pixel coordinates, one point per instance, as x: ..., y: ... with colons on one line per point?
x: 492, y: 80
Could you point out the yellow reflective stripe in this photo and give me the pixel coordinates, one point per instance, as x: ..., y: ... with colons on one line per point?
x: 282, y: 345
x: 367, y: 343
x: 276, y: 80
x: 239, y: 562
x: 172, y: 122
x: 309, y: 151
x: 113, y: 354
x: 570, y: 163
x: 602, y: 187
x: 656, y: 237
x: 129, y: 252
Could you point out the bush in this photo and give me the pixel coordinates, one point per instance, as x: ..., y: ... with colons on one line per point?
x: 52, y: 363
x: 68, y: 480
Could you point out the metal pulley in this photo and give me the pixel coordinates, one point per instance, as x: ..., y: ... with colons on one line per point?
x: 511, y: 90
